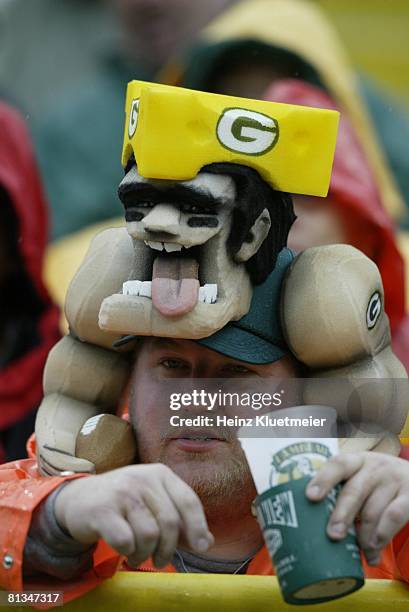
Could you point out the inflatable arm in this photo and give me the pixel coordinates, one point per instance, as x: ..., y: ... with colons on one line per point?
x: 335, y: 323
x: 84, y: 376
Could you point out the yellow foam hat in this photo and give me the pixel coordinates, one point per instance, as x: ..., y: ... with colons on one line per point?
x: 174, y: 132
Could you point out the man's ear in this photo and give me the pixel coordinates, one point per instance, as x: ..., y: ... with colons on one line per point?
x: 255, y: 237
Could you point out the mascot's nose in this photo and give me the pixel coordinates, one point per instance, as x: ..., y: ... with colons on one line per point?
x: 163, y: 218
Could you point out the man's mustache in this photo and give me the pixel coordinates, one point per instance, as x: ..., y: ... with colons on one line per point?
x: 200, y: 429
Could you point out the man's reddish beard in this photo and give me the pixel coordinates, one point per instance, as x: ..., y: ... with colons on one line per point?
x: 226, y: 490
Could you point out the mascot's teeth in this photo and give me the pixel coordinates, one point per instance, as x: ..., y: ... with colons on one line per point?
x: 171, y: 247
x: 146, y: 289
x: 131, y: 287
x: 154, y: 245
x: 135, y: 287
x: 208, y: 294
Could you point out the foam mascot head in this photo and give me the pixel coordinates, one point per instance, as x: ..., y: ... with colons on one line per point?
x: 205, y: 203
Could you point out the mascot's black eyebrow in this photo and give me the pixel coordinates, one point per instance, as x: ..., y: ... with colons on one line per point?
x: 132, y: 194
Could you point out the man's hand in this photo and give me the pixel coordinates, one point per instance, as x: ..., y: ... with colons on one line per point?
x: 139, y: 510
x: 376, y: 487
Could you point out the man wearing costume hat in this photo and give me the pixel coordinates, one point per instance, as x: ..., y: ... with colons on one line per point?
x: 207, y: 215
x: 199, y: 166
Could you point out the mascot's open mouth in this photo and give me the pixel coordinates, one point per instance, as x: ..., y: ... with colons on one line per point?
x: 177, y: 277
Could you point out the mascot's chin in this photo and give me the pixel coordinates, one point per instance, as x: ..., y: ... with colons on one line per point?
x: 175, y: 303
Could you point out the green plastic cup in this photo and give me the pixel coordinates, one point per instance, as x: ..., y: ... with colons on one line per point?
x: 311, y: 568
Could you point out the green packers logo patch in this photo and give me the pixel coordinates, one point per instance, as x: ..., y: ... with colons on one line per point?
x: 374, y: 309
x: 133, y: 117
x: 245, y: 131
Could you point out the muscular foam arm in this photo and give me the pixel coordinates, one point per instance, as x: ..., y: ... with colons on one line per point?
x: 107, y: 265
x: 334, y: 322
x: 84, y: 376
x: 80, y: 381
x: 86, y: 373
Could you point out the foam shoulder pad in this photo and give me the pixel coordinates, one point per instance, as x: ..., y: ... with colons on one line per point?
x: 107, y: 265
x: 86, y: 373
x: 332, y: 307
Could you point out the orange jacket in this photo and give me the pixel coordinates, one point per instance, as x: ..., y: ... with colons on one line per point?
x: 22, y: 489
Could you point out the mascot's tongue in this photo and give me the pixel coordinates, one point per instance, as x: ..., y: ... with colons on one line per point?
x: 175, y: 285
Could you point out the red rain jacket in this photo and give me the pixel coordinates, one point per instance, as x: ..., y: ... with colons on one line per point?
x: 353, y: 190
x: 21, y: 379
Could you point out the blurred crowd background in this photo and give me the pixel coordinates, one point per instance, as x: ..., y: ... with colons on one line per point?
x: 64, y: 66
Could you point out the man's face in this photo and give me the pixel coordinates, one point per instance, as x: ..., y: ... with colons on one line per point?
x: 210, y: 460
x: 162, y: 28
x: 323, y: 221
x: 318, y: 222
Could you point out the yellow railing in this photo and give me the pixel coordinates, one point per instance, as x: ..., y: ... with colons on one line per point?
x: 150, y: 592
